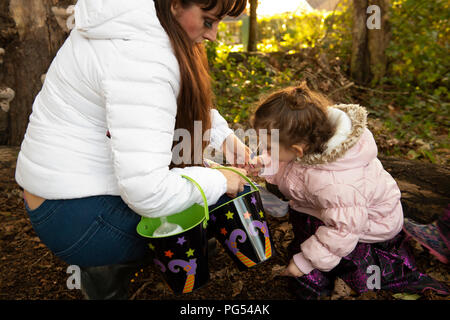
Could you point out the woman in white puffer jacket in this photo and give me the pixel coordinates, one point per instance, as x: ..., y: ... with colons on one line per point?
x: 97, y: 153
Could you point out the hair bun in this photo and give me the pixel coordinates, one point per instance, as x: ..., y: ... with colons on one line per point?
x: 302, y: 87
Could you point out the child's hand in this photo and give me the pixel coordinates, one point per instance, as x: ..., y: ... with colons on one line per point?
x: 254, y: 165
x: 292, y: 270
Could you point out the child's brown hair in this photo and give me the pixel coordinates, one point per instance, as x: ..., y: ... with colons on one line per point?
x: 299, y: 114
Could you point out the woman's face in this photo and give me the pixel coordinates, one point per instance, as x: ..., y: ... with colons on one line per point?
x: 200, y: 25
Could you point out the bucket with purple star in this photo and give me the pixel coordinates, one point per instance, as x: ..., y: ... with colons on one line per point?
x: 180, y: 253
x: 240, y: 226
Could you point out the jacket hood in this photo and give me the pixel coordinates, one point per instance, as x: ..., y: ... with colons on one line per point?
x: 118, y: 19
x: 351, y: 146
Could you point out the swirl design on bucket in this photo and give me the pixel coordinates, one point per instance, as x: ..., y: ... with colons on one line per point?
x: 190, y: 267
x: 160, y: 265
x: 232, y: 245
x: 265, y: 231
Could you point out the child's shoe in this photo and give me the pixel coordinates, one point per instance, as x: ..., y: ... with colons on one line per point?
x: 313, y: 286
x: 430, y: 237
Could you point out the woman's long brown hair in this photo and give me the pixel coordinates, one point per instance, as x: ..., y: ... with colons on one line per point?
x: 195, y: 99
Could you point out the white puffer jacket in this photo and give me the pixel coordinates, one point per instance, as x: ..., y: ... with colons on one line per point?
x: 117, y: 72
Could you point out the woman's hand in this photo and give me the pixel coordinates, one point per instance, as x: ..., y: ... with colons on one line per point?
x: 235, y: 183
x: 240, y: 156
x: 292, y: 270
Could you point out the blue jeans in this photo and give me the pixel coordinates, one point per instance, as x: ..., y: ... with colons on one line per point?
x: 92, y: 231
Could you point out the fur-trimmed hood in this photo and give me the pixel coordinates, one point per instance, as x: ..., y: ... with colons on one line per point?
x: 352, y: 144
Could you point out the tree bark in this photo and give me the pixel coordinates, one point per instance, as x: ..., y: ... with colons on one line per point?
x: 31, y: 41
x: 369, y: 61
x: 253, y: 30
x: 378, y: 41
x: 360, y: 63
x: 425, y: 187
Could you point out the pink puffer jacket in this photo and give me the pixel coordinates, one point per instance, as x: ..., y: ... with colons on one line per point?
x: 347, y: 188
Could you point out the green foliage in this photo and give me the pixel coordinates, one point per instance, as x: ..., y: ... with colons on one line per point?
x: 418, y: 68
x: 337, y: 41
x: 291, y: 32
x: 419, y: 47
x: 240, y: 81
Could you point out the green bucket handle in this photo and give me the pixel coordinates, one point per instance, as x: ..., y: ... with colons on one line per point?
x: 205, y: 223
x: 239, y: 173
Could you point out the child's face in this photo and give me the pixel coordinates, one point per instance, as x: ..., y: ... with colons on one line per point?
x: 285, y: 154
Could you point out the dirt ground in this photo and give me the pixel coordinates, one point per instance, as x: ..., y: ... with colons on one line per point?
x: 28, y: 270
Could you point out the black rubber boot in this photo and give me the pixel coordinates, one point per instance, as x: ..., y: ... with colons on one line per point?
x: 109, y: 282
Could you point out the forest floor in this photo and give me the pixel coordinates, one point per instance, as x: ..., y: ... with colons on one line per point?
x: 28, y: 270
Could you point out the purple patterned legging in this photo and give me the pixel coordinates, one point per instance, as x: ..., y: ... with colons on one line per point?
x: 394, y: 258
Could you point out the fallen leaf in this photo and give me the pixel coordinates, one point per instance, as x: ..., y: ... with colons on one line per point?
x: 392, y: 142
x: 284, y: 227
x: 341, y: 289
x: 219, y: 274
x: 160, y: 286
x: 8, y: 228
x: 285, y: 244
x: 237, y: 287
x: 411, y: 155
x: 276, y: 270
x: 406, y: 296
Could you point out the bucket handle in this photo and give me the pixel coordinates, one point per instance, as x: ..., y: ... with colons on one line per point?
x: 203, y: 196
x: 239, y: 173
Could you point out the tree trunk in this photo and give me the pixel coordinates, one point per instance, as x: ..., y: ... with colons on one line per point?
x: 253, y: 30
x: 425, y: 187
x: 360, y: 63
x: 378, y: 41
x: 369, y: 61
x: 31, y: 36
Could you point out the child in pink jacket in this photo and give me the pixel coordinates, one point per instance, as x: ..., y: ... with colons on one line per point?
x: 344, y: 207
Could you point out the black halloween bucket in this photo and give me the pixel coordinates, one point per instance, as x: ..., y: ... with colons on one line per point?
x: 240, y: 226
x: 181, y: 257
